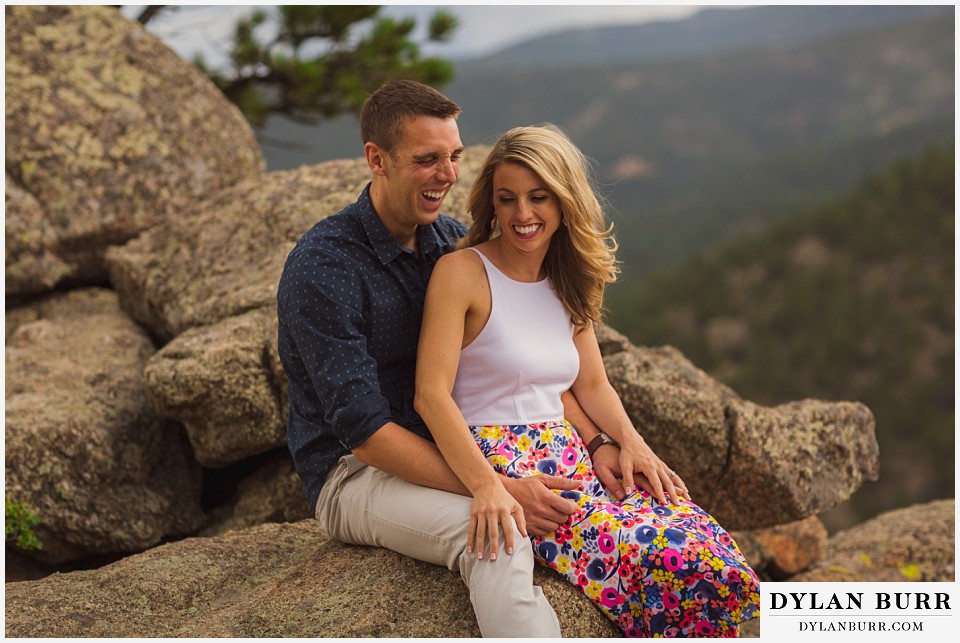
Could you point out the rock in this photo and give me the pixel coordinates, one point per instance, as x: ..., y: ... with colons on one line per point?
x: 109, y: 132
x: 679, y: 411
x: 910, y: 544
x: 780, y: 552
x: 269, y: 581
x: 30, y: 263
x: 796, y: 459
x: 271, y: 494
x: 224, y: 257
x: 84, y: 451
x: 750, y: 466
x: 611, y: 341
x: 216, y: 382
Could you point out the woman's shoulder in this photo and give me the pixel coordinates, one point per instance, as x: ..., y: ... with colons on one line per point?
x: 461, y: 270
x: 462, y: 260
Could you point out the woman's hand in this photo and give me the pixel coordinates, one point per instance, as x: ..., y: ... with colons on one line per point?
x: 492, y: 509
x: 656, y: 477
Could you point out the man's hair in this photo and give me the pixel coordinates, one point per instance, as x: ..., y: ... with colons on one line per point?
x: 384, y: 111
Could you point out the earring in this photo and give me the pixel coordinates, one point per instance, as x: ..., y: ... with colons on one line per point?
x: 493, y: 221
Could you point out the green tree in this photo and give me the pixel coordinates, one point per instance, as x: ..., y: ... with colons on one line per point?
x: 323, y: 59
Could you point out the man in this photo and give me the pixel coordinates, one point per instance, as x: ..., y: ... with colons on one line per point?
x: 349, y: 304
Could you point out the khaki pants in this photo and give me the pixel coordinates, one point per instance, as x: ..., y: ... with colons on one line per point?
x: 364, y: 506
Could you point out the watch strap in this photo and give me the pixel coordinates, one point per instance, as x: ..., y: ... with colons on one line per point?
x: 598, y: 441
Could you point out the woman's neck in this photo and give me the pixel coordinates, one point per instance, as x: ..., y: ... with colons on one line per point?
x: 516, y: 264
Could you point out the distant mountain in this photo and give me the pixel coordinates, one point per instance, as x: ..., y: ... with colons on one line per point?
x: 852, y: 301
x: 700, y: 149
x: 707, y: 32
x: 695, y: 151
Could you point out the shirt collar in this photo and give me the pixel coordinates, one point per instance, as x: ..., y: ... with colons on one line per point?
x: 383, y: 243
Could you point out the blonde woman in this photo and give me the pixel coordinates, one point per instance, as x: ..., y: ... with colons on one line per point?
x: 508, y: 328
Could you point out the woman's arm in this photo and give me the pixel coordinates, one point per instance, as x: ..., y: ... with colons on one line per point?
x: 601, y: 402
x: 455, y: 286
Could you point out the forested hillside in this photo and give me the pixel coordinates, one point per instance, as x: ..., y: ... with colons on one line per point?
x: 852, y: 301
x: 694, y: 147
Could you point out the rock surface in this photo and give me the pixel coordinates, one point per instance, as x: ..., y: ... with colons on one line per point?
x: 110, y: 132
x: 216, y: 382
x: 910, y: 544
x: 272, y: 493
x: 777, y: 553
x: 268, y: 581
x: 750, y: 466
x: 84, y: 451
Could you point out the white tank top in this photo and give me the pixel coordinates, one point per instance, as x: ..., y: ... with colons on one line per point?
x: 522, y: 360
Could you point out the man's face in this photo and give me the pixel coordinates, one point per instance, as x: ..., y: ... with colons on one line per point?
x: 419, y: 173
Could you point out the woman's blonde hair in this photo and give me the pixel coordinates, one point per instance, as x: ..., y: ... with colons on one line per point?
x: 580, y: 261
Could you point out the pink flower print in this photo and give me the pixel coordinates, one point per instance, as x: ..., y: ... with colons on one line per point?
x: 605, y: 543
x: 610, y: 597
x: 703, y: 628
x: 672, y: 559
x: 569, y: 457
x: 505, y: 450
x: 671, y: 601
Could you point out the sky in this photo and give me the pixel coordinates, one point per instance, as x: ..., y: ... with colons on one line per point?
x: 204, y: 29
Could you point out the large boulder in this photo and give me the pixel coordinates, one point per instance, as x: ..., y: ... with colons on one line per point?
x: 84, y: 450
x: 909, y: 544
x: 750, y: 466
x: 109, y: 132
x: 214, y: 380
x: 269, y: 581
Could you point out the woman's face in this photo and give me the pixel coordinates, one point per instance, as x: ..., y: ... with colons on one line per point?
x: 527, y: 211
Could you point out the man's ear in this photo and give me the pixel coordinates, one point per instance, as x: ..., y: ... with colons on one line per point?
x: 376, y: 158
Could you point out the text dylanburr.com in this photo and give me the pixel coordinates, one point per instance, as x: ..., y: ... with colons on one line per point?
x: 914, y: 611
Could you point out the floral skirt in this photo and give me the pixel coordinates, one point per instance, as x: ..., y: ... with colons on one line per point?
x: 654, y: 570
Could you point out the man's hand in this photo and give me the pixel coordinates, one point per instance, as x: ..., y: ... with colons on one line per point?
x: 543, y: 510
x: 606, y: 464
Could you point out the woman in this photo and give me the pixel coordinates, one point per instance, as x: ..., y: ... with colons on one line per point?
x: 508, y: 328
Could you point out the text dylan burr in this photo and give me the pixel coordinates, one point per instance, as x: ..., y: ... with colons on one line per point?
x: 855, y: 600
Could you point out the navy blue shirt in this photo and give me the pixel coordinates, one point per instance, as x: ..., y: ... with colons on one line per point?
x: 349, y: 304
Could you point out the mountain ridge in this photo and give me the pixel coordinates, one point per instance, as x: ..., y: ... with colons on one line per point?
x: 708, y: 31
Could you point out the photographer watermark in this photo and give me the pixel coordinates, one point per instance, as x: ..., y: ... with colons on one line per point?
x: 901, y: 611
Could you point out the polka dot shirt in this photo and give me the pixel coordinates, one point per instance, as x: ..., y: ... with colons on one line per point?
x: 350, y: 302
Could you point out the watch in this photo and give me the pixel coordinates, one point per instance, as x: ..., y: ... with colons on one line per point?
x: 598, y: 441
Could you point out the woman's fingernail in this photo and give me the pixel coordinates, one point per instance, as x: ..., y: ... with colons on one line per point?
x: 510, y: 550
x: 493, y: 556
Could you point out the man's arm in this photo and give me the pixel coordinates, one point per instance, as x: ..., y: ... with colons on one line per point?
x: 409, y: 457
x: 606, y: 459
